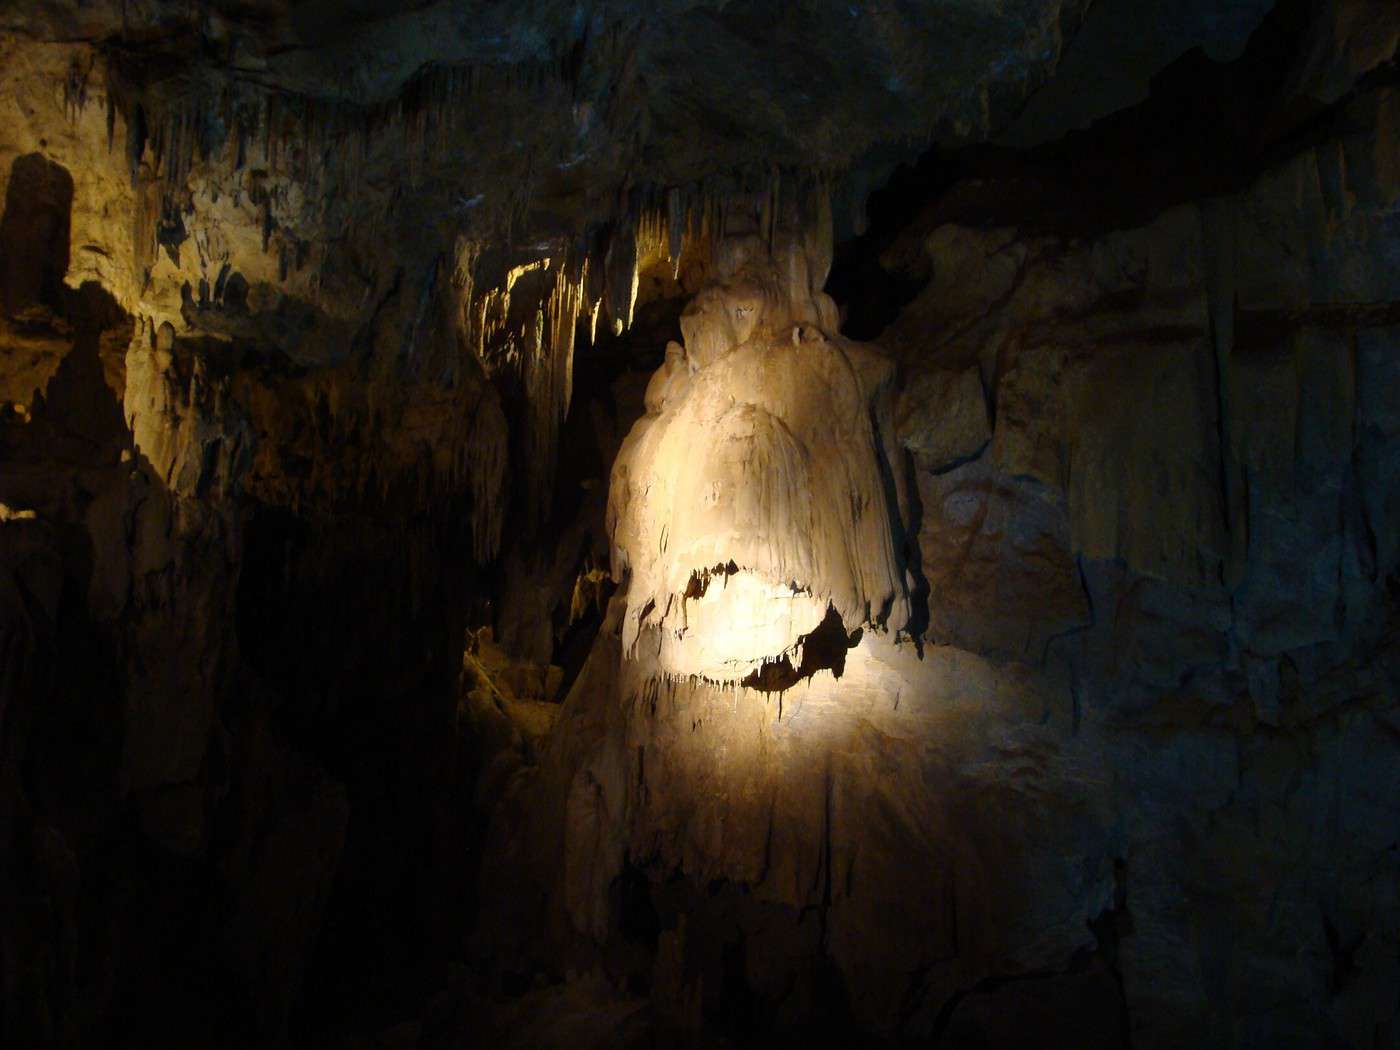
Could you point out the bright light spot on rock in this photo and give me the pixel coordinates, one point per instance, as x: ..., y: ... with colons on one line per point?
x: 749, y: 507
x: 740, y: 622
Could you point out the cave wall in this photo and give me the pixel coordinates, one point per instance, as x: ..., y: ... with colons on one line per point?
x: 232, y: 561
x: 290, y: 395
x: 1180, y: 499
x: 1132, y: 782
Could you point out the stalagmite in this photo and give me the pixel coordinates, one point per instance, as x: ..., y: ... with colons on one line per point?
x: 751, y: 498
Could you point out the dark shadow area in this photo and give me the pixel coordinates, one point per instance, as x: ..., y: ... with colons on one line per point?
x: 34, y: 233
x: 869, y: 296
x: 913, y: 553
x: 545, y: 568
x: 822, y: 650
x: 1207, y: 128
x: 361, y: 674
x: 109, y: 922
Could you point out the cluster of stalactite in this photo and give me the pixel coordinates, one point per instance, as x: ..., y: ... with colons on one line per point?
x: 526, y: 329
x: 524, y: 312
x: 419, y: 138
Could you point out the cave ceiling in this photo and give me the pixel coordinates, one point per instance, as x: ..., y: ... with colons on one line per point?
x: 580, y: 102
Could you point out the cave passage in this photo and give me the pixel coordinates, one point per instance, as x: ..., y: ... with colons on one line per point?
x: 742, y: 525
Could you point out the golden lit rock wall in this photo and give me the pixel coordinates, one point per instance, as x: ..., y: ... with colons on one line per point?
x: 756, y: 493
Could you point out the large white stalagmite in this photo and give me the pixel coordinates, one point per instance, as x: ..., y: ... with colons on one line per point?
x: 756, y: 495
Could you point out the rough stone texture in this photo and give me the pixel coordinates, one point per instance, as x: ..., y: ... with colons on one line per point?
x: 1209, y: 510
x: 731, y: 549
x: 1109, y: 65
x: 995, y: 553
x: 702, y: 84
x: 1140, y: 778
x: 189, y: 816
x: 321, y: 328
x: 802, y: 809
x: 941, y: 417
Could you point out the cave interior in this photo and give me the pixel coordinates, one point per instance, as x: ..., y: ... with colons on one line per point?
x: 704, y: 523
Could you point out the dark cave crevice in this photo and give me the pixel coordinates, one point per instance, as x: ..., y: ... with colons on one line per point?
x: 35, y: 230
x: 1207, y: 129
x: 824, y: 649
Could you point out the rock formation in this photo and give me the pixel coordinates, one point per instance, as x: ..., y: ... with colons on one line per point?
x: 717, y: 524
x: 756, y: 496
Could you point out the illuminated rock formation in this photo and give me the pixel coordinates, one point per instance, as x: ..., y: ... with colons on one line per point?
x: 757, y: 493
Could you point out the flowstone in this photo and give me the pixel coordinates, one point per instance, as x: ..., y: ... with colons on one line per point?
x: 755, y: 498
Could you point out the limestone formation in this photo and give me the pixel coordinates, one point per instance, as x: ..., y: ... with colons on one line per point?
x: 757, y: 493
x: 700, y: 524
